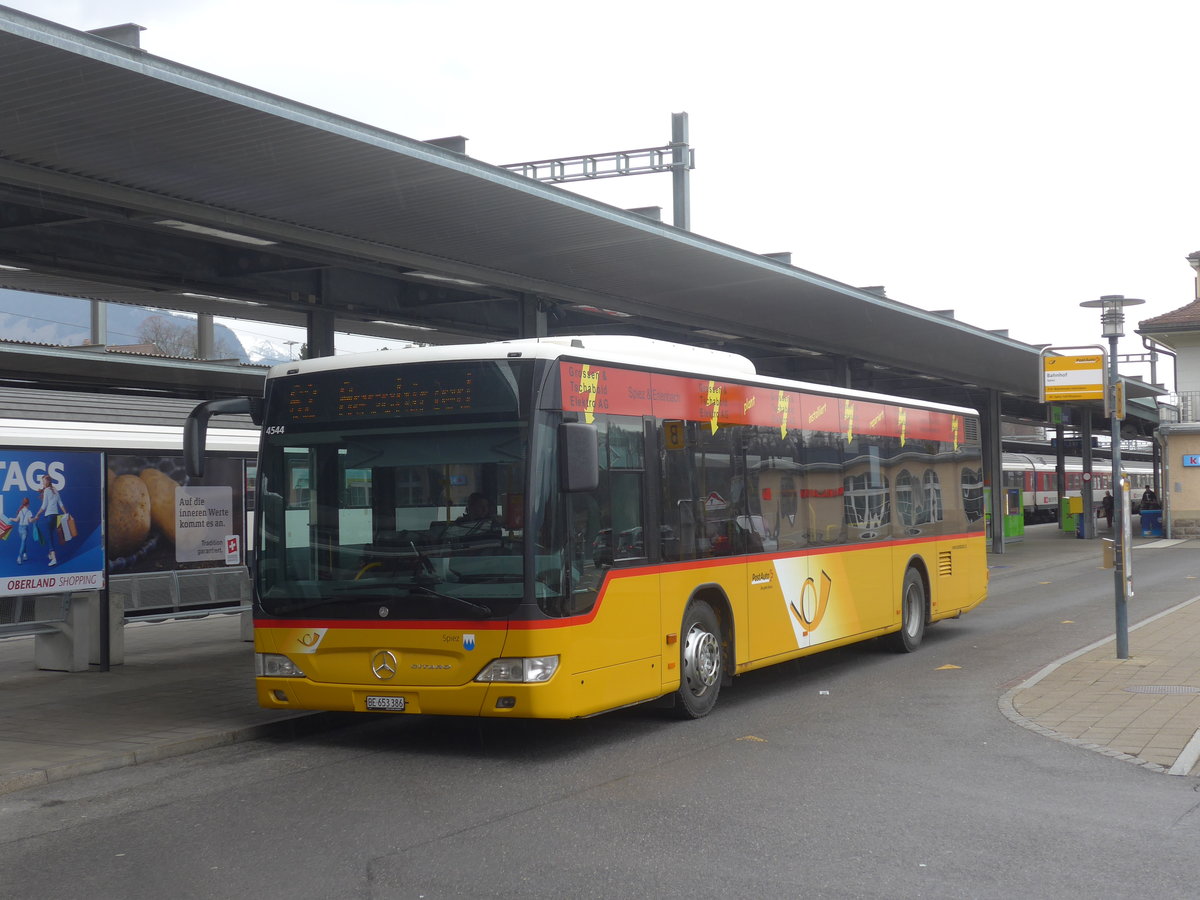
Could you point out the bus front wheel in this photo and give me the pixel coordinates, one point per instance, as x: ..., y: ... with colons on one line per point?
x: 701, y: 661
x: 912, y: 613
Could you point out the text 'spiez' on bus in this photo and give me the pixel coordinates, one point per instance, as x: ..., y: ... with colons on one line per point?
x: 560, y: 527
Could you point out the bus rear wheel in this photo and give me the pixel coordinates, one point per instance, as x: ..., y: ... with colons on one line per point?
x: 701, y: 661
x: 912, y: 613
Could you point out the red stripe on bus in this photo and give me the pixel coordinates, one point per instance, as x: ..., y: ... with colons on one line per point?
x: 610, y: 578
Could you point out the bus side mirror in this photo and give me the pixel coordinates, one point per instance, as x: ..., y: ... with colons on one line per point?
x: 579, y: 458
x: 195, y: 428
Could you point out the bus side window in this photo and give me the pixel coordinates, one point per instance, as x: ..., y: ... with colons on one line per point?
x: 607, y: 523
x: 623, y: 459
x: 681, y: 514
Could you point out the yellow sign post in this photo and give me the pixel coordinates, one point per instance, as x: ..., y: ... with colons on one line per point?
x: 1074, y: 377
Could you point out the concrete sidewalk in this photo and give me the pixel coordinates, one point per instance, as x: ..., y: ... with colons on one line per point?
x: 1145, y: 709
x: 188, y: 685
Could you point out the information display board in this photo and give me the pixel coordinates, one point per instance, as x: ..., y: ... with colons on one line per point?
x: 1073, y: 378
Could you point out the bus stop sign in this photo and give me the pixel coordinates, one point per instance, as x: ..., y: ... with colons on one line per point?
x: 1073, y: 377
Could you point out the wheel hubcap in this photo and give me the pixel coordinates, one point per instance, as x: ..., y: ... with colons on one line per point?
x: 912, y: 611
x: 701, y: 659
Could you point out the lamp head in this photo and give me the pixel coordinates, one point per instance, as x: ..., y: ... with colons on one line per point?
x: 1112, y: 313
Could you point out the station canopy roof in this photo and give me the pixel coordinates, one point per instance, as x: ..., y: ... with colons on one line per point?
x: 129, y: 178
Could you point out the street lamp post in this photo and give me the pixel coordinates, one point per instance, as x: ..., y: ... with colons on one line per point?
x: 1112, y: 323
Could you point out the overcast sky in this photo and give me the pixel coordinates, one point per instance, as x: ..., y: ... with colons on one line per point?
x: 1006, y: 161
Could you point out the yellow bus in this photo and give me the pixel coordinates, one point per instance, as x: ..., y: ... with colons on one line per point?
x: 561, y: 527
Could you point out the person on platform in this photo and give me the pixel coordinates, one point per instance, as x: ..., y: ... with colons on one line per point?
x: 1106, y: 508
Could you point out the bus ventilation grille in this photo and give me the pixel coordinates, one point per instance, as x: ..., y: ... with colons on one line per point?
x: 971, y: 430
x: 945, y: 566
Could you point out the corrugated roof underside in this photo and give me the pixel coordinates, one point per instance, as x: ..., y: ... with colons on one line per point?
x: 164, y: 131
x: 175, y: 142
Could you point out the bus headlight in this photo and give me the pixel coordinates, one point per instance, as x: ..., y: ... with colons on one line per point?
x: 275, y: 665
x: 522, y: 670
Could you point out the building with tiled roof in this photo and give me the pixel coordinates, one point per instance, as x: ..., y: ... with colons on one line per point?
x: 1186, y: 318
x: 1178, y: 332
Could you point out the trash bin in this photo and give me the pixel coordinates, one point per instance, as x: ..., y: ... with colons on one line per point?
x: 1070, y: 513
x: 1151, y: 523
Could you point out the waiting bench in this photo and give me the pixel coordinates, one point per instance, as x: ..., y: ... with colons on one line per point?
x: 59, y: 624
x: 65, y: 627
x: 158, y: 596
x: 32, y: 615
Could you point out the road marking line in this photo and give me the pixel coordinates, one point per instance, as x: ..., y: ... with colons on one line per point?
x: 1188, y: 758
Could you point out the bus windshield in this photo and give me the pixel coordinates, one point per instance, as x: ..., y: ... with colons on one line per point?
x: 421, y: 517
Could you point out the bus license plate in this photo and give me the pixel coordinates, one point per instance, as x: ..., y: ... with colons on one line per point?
x: 390, y: 704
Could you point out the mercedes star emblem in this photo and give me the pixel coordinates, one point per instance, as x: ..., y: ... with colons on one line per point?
x: 384, y: 664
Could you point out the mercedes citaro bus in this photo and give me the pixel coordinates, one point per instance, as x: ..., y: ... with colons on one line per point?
x: 646, y: 521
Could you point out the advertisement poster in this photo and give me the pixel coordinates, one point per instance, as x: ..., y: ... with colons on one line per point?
x: 160, y: 520
x: 51, y: 526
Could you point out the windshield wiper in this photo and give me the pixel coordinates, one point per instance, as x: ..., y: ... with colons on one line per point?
x: 340, y: 594
x: 423, y: 561
x: 489, y: 577
x: 284, y: 606
x: 476, y: 607
x: 387, y: 593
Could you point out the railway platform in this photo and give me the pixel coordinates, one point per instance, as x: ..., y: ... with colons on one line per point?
x: 187, y: 686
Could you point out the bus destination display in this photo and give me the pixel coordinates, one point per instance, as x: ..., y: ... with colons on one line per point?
x: 416, y: 391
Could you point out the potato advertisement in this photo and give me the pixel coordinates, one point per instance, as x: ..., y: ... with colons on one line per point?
x: 159, y: 519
